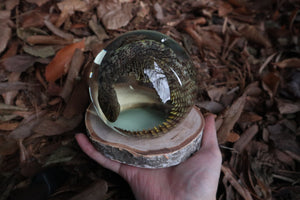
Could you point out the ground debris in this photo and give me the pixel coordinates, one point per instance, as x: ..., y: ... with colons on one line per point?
x: 247, y: 57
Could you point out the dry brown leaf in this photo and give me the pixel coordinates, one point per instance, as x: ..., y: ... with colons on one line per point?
x: 245, y: 138
x: 8, y: 86
x: 253, y: 89
x: 288, y: 107
x: 95, y: 191
x: 233, y: 137
x: 125, y: 1
x: 4, y: 15
x: 36, y: 18
x: 215, y: 93
x: 5, y: 29
x: 270, y: 83
x: 211, y: 106
x: 71, y: 6
x: 9, y: 5
x: 57, y: 31
x: 188, y: 26
x: 290, y: 85
x: 93, y: 44
x: 24, y: 33
x: 7, y: 146
x: 47, y: 149
x: 114, y: 15
x: 41, y: 51
x: 76, y: 63
x: 210, y: 40
x: 283, y: 139
x: 224, y: 8
x: 30, y: 168
x: 46, y: 39
x: 9, y: 96
x: 219, y: 122
x: 9, y: 126
x: 238, y: 3
x: 4, y: 36
x: 285, y: 158
x: 105, y: 6
x: 49, y: 127
x: 291, y: 62
x: 98, y: 30
x: 38, y: 2
x: 21, y: 63
x: 11, y: 51
x: 68, y: 8
x: 12, y: 77
x: 53, y: 89
x: 60, y: 63
x: 24, y: 130
x: 159, y: 11
x: 253, y: 34
x: 230, y: 117
x: 250, y: 117
x: 24, y: 155
x: 143, y: 10
x: 79, y: 100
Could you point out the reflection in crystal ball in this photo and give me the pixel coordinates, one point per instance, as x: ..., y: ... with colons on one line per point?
x: 142, y: 84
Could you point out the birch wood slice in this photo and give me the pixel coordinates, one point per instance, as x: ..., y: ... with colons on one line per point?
x: 167, y: 150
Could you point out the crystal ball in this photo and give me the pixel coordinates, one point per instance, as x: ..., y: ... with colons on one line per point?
x: 142, y: 84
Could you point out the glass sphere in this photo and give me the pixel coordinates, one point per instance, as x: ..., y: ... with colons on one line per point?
x: 142, y: 84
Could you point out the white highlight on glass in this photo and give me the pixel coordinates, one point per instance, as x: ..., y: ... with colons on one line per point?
x: 163, y: 39
x: 100, y: 57
x: 159, y: 81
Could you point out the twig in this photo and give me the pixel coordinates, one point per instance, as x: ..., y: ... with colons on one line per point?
x: 47, y: 39
x: 228, y: 176
x: 40, y: 78
x: 268, y: 60
x: 293, y: 155
x: 76, y: 64
x: 57, y: 31
x: 9, y: 86
x: 246, y: 137
x: 228, y: 148
x: 189, y: 26
x: 283, y: 178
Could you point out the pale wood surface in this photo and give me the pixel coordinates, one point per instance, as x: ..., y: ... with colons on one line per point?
x: 164, y: 151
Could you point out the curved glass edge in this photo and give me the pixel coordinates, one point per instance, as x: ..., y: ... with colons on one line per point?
x: 124, y: 39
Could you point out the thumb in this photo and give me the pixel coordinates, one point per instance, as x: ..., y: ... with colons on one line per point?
x: 209, y: 145
x: 209, y: 138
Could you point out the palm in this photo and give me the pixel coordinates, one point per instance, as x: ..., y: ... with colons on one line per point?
x: 196, y: 178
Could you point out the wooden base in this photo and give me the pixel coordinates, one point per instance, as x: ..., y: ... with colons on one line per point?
x: 167, y: 150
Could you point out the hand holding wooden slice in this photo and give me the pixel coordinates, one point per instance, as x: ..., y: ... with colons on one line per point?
x: 167, y: 150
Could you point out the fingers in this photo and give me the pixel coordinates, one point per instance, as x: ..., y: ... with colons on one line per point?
x: 209, y: 138
x: 89, y: 149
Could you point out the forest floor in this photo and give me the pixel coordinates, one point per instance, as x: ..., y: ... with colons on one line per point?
x: 247, y: 54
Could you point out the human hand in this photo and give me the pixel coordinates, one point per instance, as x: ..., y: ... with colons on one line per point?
x: 195, y: 178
